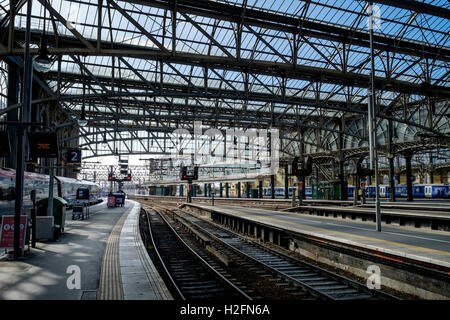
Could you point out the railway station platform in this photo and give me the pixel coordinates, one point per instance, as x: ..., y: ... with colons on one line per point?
x: 402, y: 248
x: 98, y: 258
x: 428, y: 246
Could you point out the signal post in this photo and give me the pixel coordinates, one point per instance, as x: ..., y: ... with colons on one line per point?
x: 189, y: 174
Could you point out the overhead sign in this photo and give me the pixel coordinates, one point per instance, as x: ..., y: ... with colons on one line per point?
x: 43, y: 144
x: 5, y: 148
x: 7, y: 231
x: 73, y: 156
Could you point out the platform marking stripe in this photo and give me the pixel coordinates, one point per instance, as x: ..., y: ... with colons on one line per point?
x: 154, y: 280
x: 110, y: 287
x: 357, y: 236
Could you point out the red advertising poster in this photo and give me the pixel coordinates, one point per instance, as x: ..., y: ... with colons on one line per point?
x: 7, y: 231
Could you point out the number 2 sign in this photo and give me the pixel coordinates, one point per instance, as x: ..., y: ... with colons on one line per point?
x: 74, y: 156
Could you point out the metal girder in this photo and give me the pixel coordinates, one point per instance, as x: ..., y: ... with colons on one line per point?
x: 183, y: 91
x: 406, y: 147
x: 322, y: 113
x: 309, y: 28
x: 138, y: 26
x: 417, y: 6
x: 300, y: 72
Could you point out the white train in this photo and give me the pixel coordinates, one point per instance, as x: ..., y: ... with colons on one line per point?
x: 63, y: 187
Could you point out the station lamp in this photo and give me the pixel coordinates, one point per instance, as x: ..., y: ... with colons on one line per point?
x: 43, y: 63
x: 82, y: 121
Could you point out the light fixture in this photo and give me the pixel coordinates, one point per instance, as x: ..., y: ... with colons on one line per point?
x: 43, y: 63
x: 82, y: 121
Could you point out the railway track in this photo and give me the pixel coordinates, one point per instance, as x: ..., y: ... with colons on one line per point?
x: 303, y: 277
x: 191, y: 277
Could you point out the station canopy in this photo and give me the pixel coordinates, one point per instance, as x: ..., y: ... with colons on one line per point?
x: 143, y: 69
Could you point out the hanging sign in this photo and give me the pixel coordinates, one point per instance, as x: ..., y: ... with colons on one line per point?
x: 43, y: 144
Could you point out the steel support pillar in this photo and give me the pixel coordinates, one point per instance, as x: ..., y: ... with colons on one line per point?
x: 286, y: 182
x: 391, y: 179
x: 221, y: 190
x: 272, y: 186
x: 13, y: 115
x: 260, y: 189
x: 227, y: 193
x: 409, y: 190
x: 342, y: 182
x: 24, y: 117
x: 238, y: 186
x: 247, y: 189
x: 431, y: 169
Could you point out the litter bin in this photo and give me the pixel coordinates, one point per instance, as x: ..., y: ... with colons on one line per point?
x: 254, y: 193
x: 59, y: 212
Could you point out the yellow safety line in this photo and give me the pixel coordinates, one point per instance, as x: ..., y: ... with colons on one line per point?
x: 362, y: 237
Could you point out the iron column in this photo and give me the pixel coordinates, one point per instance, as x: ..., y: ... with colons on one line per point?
x: 24, y: 117
x: 373, y: 121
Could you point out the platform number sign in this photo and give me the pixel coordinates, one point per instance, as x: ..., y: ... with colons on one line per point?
x: 74, y: 156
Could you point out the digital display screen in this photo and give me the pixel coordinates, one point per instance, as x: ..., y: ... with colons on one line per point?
x: 43, y: 144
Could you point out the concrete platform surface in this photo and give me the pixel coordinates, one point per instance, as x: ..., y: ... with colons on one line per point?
x: 44, y: 273
x: 427, y: 246
x: 140, y: 279
x: 69, y: 269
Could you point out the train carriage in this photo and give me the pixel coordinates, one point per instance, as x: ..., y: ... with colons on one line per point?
x: 439, y: 191
x: 63, y: 187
